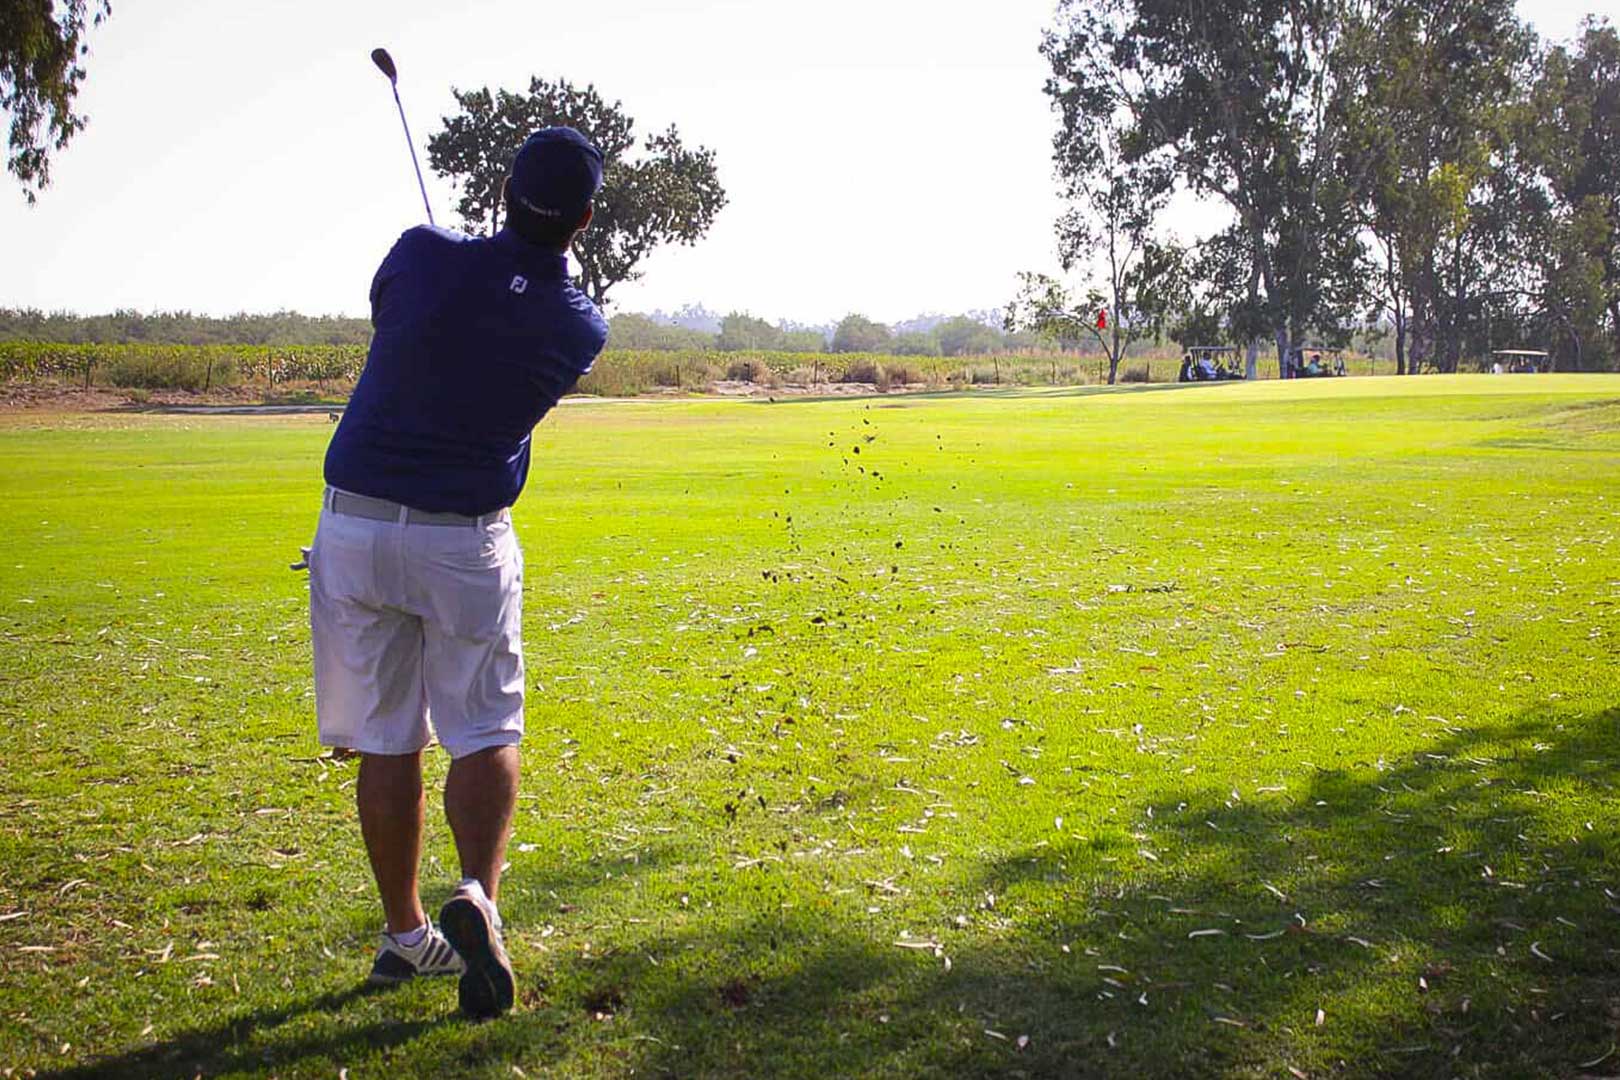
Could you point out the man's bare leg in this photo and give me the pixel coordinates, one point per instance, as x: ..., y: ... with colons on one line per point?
x: 480, y: 796
x: 389, y: 794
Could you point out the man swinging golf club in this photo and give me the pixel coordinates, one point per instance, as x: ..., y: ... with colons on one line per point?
x: 415, y: 575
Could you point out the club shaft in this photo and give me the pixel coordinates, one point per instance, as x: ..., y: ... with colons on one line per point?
x: 414, y: 163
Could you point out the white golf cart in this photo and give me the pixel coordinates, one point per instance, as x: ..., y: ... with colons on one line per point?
x: 1520, y: 362
x: 1208, y: 363
x: 1314, y: 362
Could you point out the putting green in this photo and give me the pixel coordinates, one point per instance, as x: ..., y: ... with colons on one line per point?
x: 1161, y: 731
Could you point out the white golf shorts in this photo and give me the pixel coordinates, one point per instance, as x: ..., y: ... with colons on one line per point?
x: 416, y: 625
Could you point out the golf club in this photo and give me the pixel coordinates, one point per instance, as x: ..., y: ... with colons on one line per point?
x: 385, y: 64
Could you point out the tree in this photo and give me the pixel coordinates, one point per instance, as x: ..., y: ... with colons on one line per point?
x: 1220, y: 299
x: 803, y: 341
x: 1110, y: 221
x: 1427, y: 97
x: 965, y: 336
x: 915, y: 343
x: 857, y: 333
x: 1577, y: 104
x: 632, y: 331
x: 1108, y: 229
x: 744, y: 332
x: 1573, y: 296
x: 1235, y: 96
x: 42, y: 49
x: 667, y: 194
x: 1114, y: 193
x: 1142, y: 299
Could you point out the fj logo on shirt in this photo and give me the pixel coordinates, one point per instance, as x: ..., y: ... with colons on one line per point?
x: 519, y: 283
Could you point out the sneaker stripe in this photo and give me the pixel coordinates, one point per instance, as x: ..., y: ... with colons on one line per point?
x: 391, y: 967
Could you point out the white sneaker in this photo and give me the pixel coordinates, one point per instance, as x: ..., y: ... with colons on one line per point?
x: 473, y: 928
x: 397, y: 963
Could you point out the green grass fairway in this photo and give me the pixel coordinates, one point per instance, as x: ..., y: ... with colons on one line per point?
x: 1249, y: 730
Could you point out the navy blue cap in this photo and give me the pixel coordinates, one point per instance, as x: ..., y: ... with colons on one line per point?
x: 557, y: 172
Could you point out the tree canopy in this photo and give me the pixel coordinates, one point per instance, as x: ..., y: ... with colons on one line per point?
x: 857, y: 333
x: 739, y: 331
x: 1432, y: 164
x: 42, y: 52
x: 1576, y: 112
x: 964, y: 336
x: 628, y: 330
x: 655, y: 191
x: 1232, y: 97
x: 1113, y: 201
x: 1427, y: 105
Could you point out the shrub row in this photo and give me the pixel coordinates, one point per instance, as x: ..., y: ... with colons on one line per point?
x: 178, y: 367
x: 624, y: 373
x: 618, y: 372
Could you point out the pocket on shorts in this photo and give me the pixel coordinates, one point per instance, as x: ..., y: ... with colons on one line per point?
x: 342, y: 558
x: 477, y: 596
x: 472, y: 549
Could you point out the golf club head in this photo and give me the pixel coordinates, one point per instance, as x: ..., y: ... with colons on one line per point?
x: 385, y: 64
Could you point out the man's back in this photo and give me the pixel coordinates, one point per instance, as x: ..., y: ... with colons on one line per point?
x: 475, y: 340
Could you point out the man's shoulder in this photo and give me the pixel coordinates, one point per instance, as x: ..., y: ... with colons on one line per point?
x: 590, y: 328
x: 427, y: 243
x: 425, y: 238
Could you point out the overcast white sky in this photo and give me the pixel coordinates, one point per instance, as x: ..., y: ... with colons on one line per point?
x: 883, y: 156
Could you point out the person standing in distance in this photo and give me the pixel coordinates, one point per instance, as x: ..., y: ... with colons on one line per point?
x: 415, y: 591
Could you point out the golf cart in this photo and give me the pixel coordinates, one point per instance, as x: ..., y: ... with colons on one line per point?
x: 1314, y: 362
x: 1519, y: 362
x: 1207, y: 363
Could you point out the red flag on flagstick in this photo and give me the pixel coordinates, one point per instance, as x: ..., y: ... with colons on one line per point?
x: 1102, y: 319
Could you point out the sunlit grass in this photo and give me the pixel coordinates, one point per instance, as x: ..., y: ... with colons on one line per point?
x: 1183, y: 731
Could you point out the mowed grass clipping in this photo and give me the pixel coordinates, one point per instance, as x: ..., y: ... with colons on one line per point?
x: 1250, y: 730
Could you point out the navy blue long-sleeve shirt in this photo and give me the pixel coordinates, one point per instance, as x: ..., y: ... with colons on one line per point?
x: 475, y: 340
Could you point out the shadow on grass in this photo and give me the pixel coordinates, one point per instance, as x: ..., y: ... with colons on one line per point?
x: 1448, y: 914
x: 238, y: 1044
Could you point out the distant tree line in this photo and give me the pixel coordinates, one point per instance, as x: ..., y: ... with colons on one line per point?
x: 1433, y: 169
x: 182, y: 328
x: 738, y: 332
x: 962, y: 335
